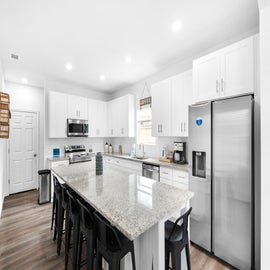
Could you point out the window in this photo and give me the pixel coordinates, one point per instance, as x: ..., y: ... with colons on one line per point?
x: 144, y: 127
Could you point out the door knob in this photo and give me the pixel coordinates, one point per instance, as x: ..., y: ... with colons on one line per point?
x: 35, y: 155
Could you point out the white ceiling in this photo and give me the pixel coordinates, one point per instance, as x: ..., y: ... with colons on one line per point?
x: 97, y: 35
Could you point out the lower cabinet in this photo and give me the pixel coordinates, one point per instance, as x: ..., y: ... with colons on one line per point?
x: 131, y: 166
x: 53, y: 164
x: 174, y: 177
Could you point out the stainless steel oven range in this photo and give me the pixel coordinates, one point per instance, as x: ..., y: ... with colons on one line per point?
x: 77, y: 153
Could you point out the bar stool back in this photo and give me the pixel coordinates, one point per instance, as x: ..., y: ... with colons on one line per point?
x: 176, y: 239
x: 72, y: 224
x: 87, y: 230
x: 112, y: 245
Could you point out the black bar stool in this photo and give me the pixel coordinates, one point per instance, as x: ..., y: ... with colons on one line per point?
x: 176, y: 239
x: 112, y: 245
x: 87, y: 231
x: 72, y: 224
x: 57, y: 200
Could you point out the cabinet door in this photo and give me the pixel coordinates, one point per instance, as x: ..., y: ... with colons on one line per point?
x: 206, y: 75
x: 122, y: 112
x: 112, y: 118
x: 237, y: 73
x: 77, y: 107
x: 102, y: 121
x: 181, y: 92
x: 97, y: 118
x: 161, y: 108
x: 57, y: 115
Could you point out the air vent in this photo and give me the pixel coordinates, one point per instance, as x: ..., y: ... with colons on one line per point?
x: 15, y: 56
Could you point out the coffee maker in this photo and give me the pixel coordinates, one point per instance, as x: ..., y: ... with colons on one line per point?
x: 179, y: 153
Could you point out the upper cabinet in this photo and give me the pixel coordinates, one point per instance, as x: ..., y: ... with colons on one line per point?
x: 224, y: 73
x: 97, y: 118
x: 170, y: 100
x: 77, y: 107
x: 161, y: 108
x: 57, y: 115
x: 181, y: 97
x: 121, y: 117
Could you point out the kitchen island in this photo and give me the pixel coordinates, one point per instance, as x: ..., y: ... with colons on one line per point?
x: 136, y: 205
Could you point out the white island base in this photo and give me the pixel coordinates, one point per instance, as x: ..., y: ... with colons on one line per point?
x: 150, y: 249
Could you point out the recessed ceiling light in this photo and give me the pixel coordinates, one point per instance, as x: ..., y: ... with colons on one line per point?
x: 14, y: 56
x: 102, y: 77
x: 176, y: 26
x: 128, y: 59
x: 24, y: 80
x: 69, y: 66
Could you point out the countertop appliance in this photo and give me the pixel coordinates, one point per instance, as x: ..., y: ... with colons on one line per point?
x: 221, y: 176
x: 163, y: 153
x: 77, y: 153
x: 139, y: 151
x: 179, y: 153
x: 77, y: 128
x: 151, y: 171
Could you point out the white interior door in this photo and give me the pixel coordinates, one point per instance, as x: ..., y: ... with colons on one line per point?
x: 23, y: 151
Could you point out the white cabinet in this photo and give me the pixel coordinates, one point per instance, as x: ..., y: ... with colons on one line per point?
x: 129, y: 165
x: 77, y: 107
x: 57, y: 115
x: 121, y: 117
x: 224, y: 73
x: 97, y: 118
x: 170, y: 100
x: 174, y: 177
x: 161, y: 108
x: 181, y: 95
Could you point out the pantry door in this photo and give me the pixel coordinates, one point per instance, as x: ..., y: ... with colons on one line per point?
x: 23, y: 158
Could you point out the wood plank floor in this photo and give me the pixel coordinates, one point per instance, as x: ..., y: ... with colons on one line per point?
x: 26, y: 239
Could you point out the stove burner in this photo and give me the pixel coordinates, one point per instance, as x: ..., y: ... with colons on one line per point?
x: 77, y: 153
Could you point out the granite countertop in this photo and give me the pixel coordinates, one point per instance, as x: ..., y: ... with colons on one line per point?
x: 155, y: 161
x: 58, y: 158
x: 132, y: 203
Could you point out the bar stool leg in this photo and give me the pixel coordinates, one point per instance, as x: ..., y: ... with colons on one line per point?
x: 133, y: 258
x: 53, y: 212
x: 76, y: 231
x: 90, y: 251
x: 188, y: 257
x: 176, y: 260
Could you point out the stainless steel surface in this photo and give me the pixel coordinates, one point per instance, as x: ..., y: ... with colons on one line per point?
x: 151, y: 171
x: 77, y: 153
x: 217, y: 86
x: 200, y: 141
x: 231, y: 214
x: 232, y: 180
x: 77, y: 128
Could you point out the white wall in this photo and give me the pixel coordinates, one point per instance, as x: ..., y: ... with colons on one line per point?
x: 96, y: 143
x: 264, y: 7
x: 2, y: 149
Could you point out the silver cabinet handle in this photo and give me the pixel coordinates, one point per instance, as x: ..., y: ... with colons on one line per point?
x: 184, y: 126
x: 161, y: 128
x: 165, y: 173
x: 217, y: 86
x: 182, y: 177
x: 181, y: 126
x: 222, y: 85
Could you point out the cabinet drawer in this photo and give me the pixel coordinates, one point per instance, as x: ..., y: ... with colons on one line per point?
x: 166, y: 173
x: 180, y: 185
x: 166, y: 181
x: 180, y: 176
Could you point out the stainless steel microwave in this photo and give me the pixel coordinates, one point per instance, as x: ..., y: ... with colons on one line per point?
x: 77, y: 128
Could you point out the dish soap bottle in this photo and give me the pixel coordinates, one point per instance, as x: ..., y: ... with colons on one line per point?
x: 110, y: 149
x: 106, y: 148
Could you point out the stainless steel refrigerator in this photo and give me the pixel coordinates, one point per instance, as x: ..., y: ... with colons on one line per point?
x: 221, y: 176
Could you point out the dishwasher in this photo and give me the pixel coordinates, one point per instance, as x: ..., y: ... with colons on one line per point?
x: 150, y: 171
